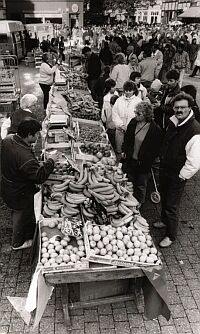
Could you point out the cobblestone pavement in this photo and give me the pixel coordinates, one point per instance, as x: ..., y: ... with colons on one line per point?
x: 181, y: 264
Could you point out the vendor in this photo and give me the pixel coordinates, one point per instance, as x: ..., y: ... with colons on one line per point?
x: 46, y: 78
x: 20, y: 173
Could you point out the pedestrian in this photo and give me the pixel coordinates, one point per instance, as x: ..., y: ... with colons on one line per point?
x: 21, y: 172
x: 193, y: 50
x: 120, y: 72
x: 180, y: 160
x: 105, y: 55
x: 148, y: 68
x: 196, y: 64
x: 163, y: 112
x: 158, y: 56
x: 46, y: 78
x: 44, y: 45
x: 123, y: 111
x: 61, y: 47
x: 142, y: 143
x: 93, y: 69
x: 191, y: 90
x: 181, y: 62
x: 133, y: 63
x: 100, y: 86
x: 142, y: 91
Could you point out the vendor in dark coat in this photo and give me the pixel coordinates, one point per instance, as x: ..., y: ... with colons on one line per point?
x: 163, y: 113
x: 142, y: 143
x: 20, y: 173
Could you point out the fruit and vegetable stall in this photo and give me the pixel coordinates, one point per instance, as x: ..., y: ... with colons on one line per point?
x: 92, y: 238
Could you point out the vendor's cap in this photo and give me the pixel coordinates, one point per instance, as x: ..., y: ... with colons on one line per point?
x: 156, y: 85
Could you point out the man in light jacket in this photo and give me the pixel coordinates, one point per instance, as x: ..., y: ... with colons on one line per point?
x: 180, y: 160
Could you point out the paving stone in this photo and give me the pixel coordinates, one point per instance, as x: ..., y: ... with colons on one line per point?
x: 47, y: 325
x: 173, y: 298
x: 8, y: 292
x: 108, y: 331
x: 188, y: 303
x: 141, y: 330
x: 189, y: 273
x: 78, y: 311
x: 163, y: 322
x: 135, y: 320
x: 119, y: 314
x: 168, y: 330
x: 177, y: 311
x: 5, y: 319
x: 49, y: 311
x: 122, y: 327
x: 92, y: 328
x: 91, y: 315
x: 175, y: 270
x: 193, y: 315
x: 76, y: 331
x: 195, y: 327
x: 118, y: 305
x: 61, y: 329
x: 59, y: 316
x: 183, y: 291
x: 105, y: 309
x: 179, y: 280
x: 171, y: 286
x: 106, y: 321
x: 30, y: 330
x: 4, y: 329
x: 77, y: 322
x: 193, y: 258
x: 182, y: 325
x: 131, y: 307
x: 152, y: 326
x: 17, y: 325
x: 194, y: 284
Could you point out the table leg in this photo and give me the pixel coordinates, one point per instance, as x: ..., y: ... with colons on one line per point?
x: 65, y: 304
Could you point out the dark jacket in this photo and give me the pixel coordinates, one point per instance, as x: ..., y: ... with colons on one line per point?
x: 150, y: 147
x: 173, y: 156
x: 163, y: 113
x: 20, y: 172
x: 18, y: 116
x: 106, y: 56
x: 93, y: 67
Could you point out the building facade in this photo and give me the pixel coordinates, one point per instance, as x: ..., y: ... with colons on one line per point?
x: 41, y: 11
x: 2, y: 10
x: 171, y: 9
x: 149, y: 14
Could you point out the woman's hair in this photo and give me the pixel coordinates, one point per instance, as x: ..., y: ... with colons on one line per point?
x: 172, y: 74
x: 147, y: 110
x: 183, y: 96
x: 113, y: 99
x: 28, y: 126
x: 109, y: 83
x: 129, y: 86
x: 191, y: 90
x: 120, y: 58
x: 45, y: 57
x: 27, y: 101
x: 135, y: 75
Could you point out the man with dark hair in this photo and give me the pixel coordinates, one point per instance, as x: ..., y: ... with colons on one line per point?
x: 20, y: 173
x: 93, y: 69
x: 163, y: 113
x: 180, y: 160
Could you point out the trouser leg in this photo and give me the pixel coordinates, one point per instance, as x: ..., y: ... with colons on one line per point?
x: 91, y: 85
x: 171, y: 192
x: 140, y: 186
x: 45, y: 89
x: 195, y: 70
x: 181, y: 77
x: 23, y: 225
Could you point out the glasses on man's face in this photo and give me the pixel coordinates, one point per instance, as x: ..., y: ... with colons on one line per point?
x: 180, y: 108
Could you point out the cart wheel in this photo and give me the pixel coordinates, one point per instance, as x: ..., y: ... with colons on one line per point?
x: 155, y: 197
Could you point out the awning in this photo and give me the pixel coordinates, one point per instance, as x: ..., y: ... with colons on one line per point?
x: 192, y: 12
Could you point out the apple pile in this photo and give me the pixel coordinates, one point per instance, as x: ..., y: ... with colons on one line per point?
x: 63, y: 168
x: 98, y: 150
x: 122, y: 243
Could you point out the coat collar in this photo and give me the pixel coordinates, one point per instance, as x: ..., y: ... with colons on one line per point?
x: 175, y: 120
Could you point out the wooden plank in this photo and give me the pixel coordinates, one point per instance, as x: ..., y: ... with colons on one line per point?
x: 93, y: 275
x: 65, y: 305
x: 101, y: 301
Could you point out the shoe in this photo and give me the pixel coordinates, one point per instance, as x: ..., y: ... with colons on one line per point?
x: 26, y: 244
x: 159, y: 225
x: 166, y: 242
x: 191, y: 76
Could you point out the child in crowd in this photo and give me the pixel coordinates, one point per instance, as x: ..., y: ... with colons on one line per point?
x: 106, y: 114
x: 136, y: 78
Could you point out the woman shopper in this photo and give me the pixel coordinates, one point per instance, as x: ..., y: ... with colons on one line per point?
x: 120, y: 72
x: 142, y: 143
x: 46, y: 77
x: 123, y: 112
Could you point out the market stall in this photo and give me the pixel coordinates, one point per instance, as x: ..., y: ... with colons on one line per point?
x: 91, y: 237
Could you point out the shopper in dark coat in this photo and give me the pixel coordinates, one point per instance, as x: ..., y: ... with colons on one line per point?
x: 93, y: 68
x: 106, y: 55
x: 142, y: 143
x: 192, y: 91
x: 20, y: 173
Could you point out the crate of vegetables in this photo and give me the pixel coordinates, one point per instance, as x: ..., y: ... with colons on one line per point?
x: 123, y: 246
x: 91, y: 131
x: 58, y: 251
x: 94, y: 151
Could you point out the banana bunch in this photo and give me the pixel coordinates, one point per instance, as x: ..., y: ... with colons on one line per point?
x: 51, y: 208
x: 129, y: 186
x: 141, y: 224
x: 71, y: 204
x: 118, y: 222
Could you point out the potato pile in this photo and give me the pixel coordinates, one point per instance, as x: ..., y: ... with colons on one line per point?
x: 122, y: 243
